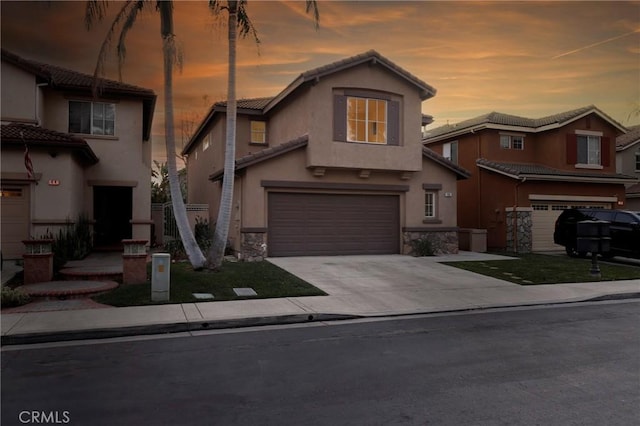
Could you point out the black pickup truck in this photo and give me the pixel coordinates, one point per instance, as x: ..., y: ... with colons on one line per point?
x: 624, y: 228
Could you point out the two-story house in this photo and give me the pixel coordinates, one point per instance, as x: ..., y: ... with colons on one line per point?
x: 525, y: 171
x: 333, y: 164
x: 628, y: 163
x: 89, y: 155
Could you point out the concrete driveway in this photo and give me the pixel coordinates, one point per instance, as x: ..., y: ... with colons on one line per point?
x: 389, y: 284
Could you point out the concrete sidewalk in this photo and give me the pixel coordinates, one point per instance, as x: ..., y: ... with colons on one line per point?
x: 358, y: 286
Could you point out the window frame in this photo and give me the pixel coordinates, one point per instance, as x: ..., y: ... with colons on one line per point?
x: 589, y: 140
x: 637, y: 169
x: 508, y: 141
x: 262, y: 132
x: 394, y: 114
x: 430, y: 204
x: 453, y: 153
x: 92, y: 105
x: 368, y: 103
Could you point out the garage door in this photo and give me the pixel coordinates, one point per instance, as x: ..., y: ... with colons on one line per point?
x: 544, y: 220
x: 15, y: 220
x: 333, y: 224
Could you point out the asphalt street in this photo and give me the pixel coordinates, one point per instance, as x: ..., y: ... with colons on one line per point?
x: 575, y: 364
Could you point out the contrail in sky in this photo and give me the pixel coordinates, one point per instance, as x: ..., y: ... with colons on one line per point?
x: 596, y: 44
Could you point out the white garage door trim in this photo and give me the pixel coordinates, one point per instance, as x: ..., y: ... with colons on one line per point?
x: 14, y: 220
x: 544, y: 217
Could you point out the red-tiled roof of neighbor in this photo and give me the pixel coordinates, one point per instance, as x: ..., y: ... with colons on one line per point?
x: 630, y: 138
x: 529, y: 124
x: 265, y: 154
x: 540, y: 172
x: 73, y: 81
x: 17, y: 134
x: 461, y: 172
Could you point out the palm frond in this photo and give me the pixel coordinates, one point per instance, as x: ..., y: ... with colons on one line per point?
x: 312, y: 5
x: 244, y: 23
x: 126, y: 27
x: 94, y: 11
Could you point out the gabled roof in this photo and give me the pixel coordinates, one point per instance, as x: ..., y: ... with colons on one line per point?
x: 461, y: 173
x: 68, y: 80
x: 629, y: 139
x: 372, y: 57
x: 529, y: 171
x: 252, y: 106
x: 17, y: 134
x: 263, y: 155
x: 264, y: 105
x: 501, y: 121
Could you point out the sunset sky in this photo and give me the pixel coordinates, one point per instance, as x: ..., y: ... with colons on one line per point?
x: 524, y: 58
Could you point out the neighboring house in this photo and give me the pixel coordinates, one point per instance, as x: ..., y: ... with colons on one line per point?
x: 90, y: 155
x: 531, y: 169
x: 628, y: 162
x: 333, y: 164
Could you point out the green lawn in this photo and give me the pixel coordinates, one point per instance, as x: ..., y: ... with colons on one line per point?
x: 267, y: 279
x: 534, y: 269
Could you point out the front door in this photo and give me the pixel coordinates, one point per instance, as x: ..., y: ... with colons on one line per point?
x: 112, y: 212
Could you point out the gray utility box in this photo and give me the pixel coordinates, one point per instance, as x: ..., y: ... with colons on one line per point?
x: 593, y: 236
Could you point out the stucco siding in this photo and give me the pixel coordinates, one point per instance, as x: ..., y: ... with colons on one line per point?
x: 325, y: 152
x: 18, y: 94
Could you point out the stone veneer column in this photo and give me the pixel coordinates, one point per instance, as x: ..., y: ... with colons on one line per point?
x: 134, y: 262
x: 519, y: 230
x: 253, y: 244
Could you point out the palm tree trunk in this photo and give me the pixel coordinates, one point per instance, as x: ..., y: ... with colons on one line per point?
x: 216, y: 253
x: 191, y: 247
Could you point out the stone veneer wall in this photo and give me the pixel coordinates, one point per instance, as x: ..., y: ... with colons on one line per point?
x: 253, y: 246
x: 443, y: 241
x: 522, y: 225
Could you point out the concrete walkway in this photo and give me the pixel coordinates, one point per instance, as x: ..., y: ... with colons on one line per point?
x: 358, y: 286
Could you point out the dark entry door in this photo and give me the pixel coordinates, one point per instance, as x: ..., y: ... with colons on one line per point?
x: 112, y: 212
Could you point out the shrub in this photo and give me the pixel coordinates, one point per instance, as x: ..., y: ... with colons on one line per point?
x: 11, y: 298
x: 203, y: 234
x: 175, y: 249
x: 73, y: 242
x: 422, y: 247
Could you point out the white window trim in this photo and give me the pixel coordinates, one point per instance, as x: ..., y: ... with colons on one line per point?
x: 264, y: 134
x: 366, y: 121
x: 587, y: 165
x: 92, y: 103
x: 434, y: 205
x: 511, y: 136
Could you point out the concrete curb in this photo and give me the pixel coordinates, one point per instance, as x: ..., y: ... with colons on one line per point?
x: 186, y: 327
x: 181, y: 327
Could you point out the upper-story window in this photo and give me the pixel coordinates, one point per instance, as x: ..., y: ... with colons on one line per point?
x: 511, y: 142
x: 366, y: 116
x: 259, y: 132
x: 638, y: 160
x: 589, y: 149
x: 92, y: 118
x: 366, y: 120
x: 450, y: 151
x: 206, y: 142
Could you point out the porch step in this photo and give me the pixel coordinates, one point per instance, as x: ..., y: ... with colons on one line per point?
x: 92, y: 273
x: 62, y: 290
